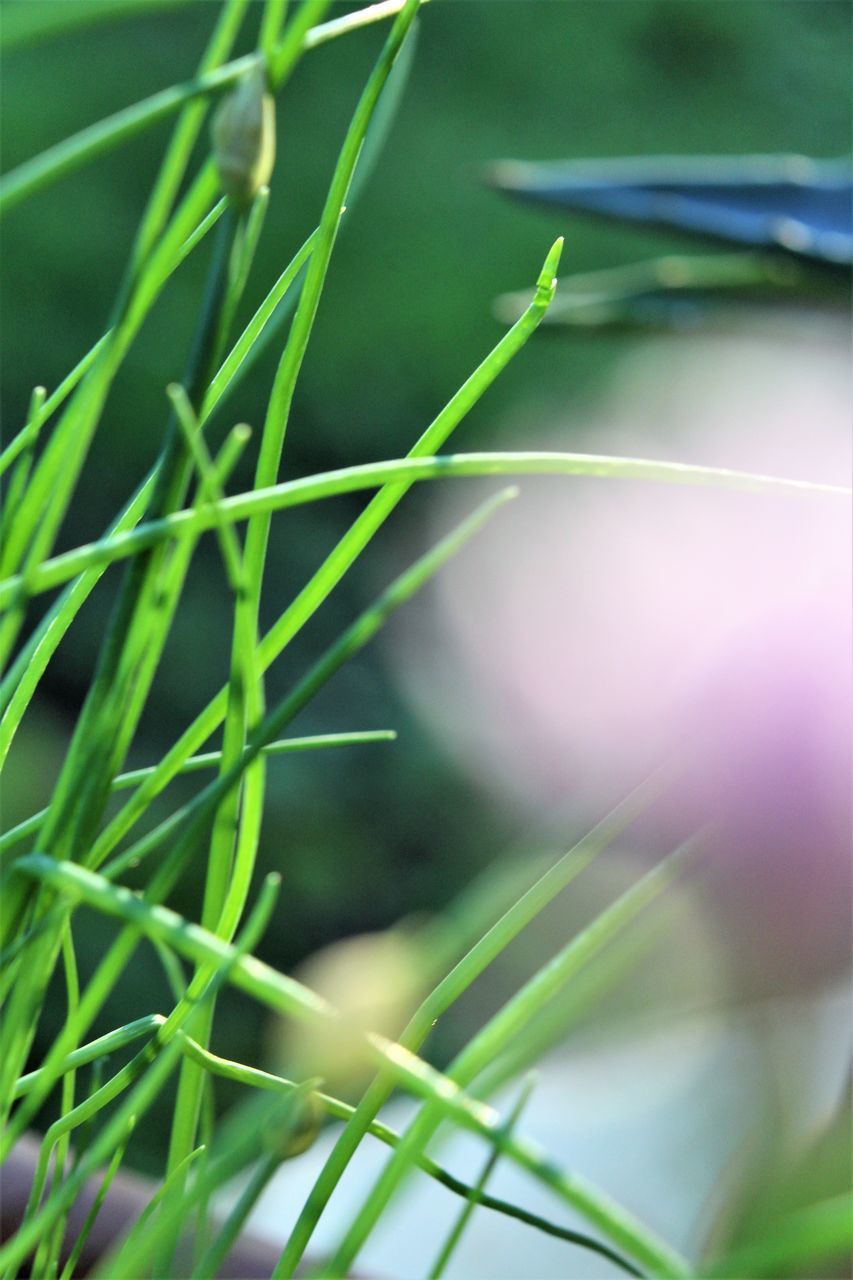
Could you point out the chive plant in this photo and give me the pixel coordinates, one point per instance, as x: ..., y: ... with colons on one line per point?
x: 72, y: 858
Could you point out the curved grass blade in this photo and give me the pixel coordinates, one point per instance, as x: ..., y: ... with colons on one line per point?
x: 484, y: 1047
x: 330, y: 484
x: 252, y: 1077
x: 69, y: 1271
x: 22, y: 679
x: 99, y: 1048
x: 161, y: 1058
x: 51, y: 404
x: 345, y: 553
x: 20, y: 682
x: 195, y: 815
x: 286, y: 996
x: 229, y: 868
x: 476, y: 1195
x: 357, y: 635
x: 234, y: 362
x: 484, y: 948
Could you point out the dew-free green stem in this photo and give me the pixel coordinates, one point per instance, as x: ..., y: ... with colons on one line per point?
x: 165, y: 1050
x: 20, y: 682
x: 252, y: 1077
x: 99, y: 139
x: 330, y: 484
x: 246, y: 700
x: 22, y: 679
x: 69, y: 1271
x: 245, y: 697
x: 17, y: 484
x: 345, y: 552
x: 446, y: 1251
x: 290, y: 998
x: 140, y: 619
x: 461, y: 976
x: 99, y: 1048
x: 194, y: 816
x: 210, y: 760
x: 482, y: 1049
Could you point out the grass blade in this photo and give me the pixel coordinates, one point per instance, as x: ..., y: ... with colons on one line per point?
x: 286, y: 996
x: 446, y: 1251
x: 407, y: 471
x: 508, y: 1023
x: 98, y: 139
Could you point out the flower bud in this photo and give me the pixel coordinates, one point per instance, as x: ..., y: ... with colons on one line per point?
x: 244, y: 137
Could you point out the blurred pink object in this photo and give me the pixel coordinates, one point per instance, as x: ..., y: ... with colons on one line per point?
x: 604, y: 627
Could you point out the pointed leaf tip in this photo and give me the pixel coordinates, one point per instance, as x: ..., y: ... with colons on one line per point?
x: 548, y: 275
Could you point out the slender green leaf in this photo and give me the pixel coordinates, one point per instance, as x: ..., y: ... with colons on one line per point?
x: 406, y: 471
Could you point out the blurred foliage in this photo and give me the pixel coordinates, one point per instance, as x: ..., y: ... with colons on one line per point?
x: 406, y: 315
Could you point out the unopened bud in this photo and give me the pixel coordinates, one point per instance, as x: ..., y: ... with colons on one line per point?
x: 244, y: 137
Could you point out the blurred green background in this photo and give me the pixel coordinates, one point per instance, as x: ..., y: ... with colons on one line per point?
x: 380, y: 832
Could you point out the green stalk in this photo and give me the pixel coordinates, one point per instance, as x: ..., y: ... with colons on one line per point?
x: 245, y: 698
x: 193, y: 817
x: 290, y: 998
x: 399, y: 471
x: 128, y: 657
x: 272, y: 21
x: 69, y: 1271
x: 342, y: 556
x: 27, y: 437
x: 499, y: 1031
x: 101, y: 138
x: 254, y: 1078
x: 144, y: 278
x: 19, y: 685
x: 210, y: 760
x: 154, y: 1064
x: 446, y: 1251
x: 464, y: 973
x: 75, y: 810
x: 100, y: 1048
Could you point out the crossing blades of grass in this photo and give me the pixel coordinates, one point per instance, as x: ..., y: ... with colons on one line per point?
x: 475, y: 953
x: 161, y: 1057
x: 194, y: 816
x: 342, y: 556
x: 508, y: 1023
x: 229, y: 863
x: 98, y: 139
x: 399, y: 471
x: 21, y: 680
x: 189, y: 821
x: 446, y: 1251
x: 290, y: 998
x: 211, y: 760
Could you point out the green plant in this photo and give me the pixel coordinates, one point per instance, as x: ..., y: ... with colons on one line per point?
x: 73, y: 856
